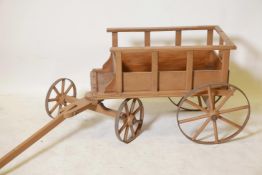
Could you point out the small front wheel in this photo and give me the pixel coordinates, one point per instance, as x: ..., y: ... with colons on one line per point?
x: 129, y: 120
x: 58, y: 94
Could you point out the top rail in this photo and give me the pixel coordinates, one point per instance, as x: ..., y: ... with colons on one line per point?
x: 149, y: 29
x: 223, y: 38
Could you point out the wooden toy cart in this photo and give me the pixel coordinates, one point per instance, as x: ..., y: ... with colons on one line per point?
x: 197, y: 74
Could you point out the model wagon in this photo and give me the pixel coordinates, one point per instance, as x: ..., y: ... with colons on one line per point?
x: 194, y: 77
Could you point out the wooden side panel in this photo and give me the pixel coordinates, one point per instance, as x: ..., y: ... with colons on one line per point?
x: 103, y: 80
x: 172, y: 80
x: 176, y: 61
x: 137, y: 81
x: 136, y: 61
x: 202, y: 77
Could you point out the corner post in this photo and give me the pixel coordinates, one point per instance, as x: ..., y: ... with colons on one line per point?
x: 189, y: 70
x: 119, y: 72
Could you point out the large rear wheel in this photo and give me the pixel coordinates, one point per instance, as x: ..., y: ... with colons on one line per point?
x: 214, y: 122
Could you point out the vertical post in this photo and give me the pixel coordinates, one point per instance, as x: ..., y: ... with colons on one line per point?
x: 189, y: 70
x: 119, y: 73
x: 178, y: 37
x: 114, y: 39
x: 225, y: 66
x: 147, y: 38
x: 154, y: 71
x: 221, y: 42
x: 210, y: 37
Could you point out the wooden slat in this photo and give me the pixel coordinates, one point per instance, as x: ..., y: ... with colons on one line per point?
x: 172, y: 28
x: 114, y: 39
x: 178, y: 37
x: 119, y: 73
x: 189, y: 70
x: 222, y: 34
x: 154, y: 71
x: 225, y: 66
x: 221, y: 42
x: 144, y: 94
x: 147, y: 39
x: 171, y: 48
x: 210, y: 37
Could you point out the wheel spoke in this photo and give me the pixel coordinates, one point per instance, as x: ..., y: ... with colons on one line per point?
x: 126, y: 108
x: 122, y: 128
x: 52, y: 99
x: 68, y: 89
x: 229, y: 122
x: 233, y: 109
x: 132, y: 106
x: 126, y: 133
x: 199, y: 101
x: 200, y: 129
x: 193, y: 118
x: 215, y: 130
x: 137, y: 110
x: 56, y: 91
x: 54, y: 107
x: 138, y: 121
x: 195, y: 105
x: 132, y: 131
x: 224, y: 100
x: 63, y: 86
x: 210, y: 98
x: 59, y: 109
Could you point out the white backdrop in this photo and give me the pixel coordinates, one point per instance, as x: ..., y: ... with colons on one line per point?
x: 42, y: 40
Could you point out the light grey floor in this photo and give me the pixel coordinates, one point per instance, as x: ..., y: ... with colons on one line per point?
x: 86, y: 144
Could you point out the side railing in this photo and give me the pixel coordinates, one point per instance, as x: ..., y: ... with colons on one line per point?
x: 223, y: 48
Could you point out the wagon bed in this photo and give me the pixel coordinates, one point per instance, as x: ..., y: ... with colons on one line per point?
x: 153, y: 71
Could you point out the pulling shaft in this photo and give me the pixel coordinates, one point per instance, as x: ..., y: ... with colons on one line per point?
x: 31, y: 140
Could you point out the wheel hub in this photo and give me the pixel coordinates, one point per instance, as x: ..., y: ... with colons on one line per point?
x: 214, y: 117
x: 61, y: 99
x: 130, y: 119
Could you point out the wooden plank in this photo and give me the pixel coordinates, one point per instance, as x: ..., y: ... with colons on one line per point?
x: 145, y: 94
x: 154, y: 71
x: 114, y: 39
x: 189, y: 70
x: 119, y: 72
x: 147, y: 39
x: 203, y: 77
x: 172, y: 80
x: 178, y: 37
x: 31, y: 140
x: 225, y: 66
x: 210, y: 37
x: 172, y: 28
x: 172, y: 48
x: 137, y: 81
